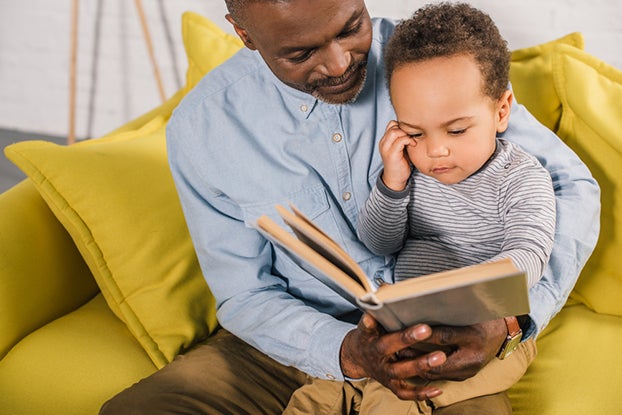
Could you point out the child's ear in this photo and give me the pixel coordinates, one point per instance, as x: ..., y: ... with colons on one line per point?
x: 241, y: 32
x: 504, y: 105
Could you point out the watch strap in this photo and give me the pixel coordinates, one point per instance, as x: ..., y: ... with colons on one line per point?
x: 512, y: 339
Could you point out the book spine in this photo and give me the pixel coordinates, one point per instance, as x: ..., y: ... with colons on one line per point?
x: 380, y: 312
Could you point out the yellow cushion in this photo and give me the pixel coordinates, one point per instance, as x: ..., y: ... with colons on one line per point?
x: 591, y: 95
x: 72, y: 365
x: 28, y: 230
x: 531, y: 74
x: 576, y: 371
x: 116, y: 198
x: 207, y: 46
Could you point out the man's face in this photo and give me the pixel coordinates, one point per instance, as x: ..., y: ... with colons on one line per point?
x: 319, y: 46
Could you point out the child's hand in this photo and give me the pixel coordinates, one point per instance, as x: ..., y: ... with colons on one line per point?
x: 397, y: 166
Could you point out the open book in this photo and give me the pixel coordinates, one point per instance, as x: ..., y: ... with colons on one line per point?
x: 457, y: 297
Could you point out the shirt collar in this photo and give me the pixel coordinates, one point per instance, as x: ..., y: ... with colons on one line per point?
x: 301, y: 104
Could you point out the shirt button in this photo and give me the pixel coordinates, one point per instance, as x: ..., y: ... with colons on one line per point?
x: 304, y: 108
x: 337, y: 137
x: 346, y: 196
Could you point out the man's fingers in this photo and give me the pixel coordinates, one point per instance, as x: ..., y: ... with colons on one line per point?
x: 469, y: 356
x: 392, y: 343
x: 368, y: 324
x: 414, y: 387
x: 420, y: 366
x: 389, y: 344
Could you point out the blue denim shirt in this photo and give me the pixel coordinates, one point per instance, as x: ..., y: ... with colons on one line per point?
x: 242, y: 141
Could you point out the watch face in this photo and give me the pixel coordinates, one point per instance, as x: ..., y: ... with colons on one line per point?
x: 510, y: 346
x: 513, y: 343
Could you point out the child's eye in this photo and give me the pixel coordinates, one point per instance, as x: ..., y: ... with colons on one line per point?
x: 415, y: 135
x: 458, y: 132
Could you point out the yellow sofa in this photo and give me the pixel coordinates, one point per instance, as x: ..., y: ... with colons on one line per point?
x: 100, y: 286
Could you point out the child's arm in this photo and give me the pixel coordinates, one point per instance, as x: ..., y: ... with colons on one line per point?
x: 528, y: 206
x: 383, y: 222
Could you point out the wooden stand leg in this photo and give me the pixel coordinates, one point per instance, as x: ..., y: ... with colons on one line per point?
x: 71, y: 135
x: 156, y: 71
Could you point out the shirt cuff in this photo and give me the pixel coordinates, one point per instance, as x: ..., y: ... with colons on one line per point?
x: 325, y: 351
x: 392, y: 193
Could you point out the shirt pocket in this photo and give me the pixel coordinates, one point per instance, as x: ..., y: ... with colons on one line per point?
x: 312, y: 202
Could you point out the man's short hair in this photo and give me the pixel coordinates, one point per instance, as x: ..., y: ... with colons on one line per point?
x: 236, y: 7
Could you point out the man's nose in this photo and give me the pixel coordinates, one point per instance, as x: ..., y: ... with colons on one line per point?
x: 337, y: 60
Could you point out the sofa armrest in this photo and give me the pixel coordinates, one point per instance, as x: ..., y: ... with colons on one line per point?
x: 42, y: 275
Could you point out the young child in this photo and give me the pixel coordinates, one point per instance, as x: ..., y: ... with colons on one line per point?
x: 452, y: 193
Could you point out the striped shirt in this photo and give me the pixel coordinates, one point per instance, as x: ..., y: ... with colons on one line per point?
x: 505, y: 210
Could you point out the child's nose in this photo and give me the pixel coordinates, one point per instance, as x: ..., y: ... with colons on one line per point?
x: 437, y: 148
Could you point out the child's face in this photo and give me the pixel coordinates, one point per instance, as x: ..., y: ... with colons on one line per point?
x: 441, y: 104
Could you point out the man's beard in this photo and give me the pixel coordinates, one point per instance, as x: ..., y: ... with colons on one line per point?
x: 358, y: 70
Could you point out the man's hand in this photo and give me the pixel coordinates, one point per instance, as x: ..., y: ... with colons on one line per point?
x: 368, y: 351
x: 392, y: 358
x: 474, y: 347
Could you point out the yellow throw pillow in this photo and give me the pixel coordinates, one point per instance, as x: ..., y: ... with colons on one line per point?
x: 531, y: 74
x: 591, y: 94
x: 207, y: 46
x: 116, y: 198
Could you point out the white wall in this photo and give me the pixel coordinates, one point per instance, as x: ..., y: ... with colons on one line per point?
x: 115, y: 78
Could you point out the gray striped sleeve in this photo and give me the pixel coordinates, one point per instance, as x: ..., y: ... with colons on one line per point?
x: 382, y: 223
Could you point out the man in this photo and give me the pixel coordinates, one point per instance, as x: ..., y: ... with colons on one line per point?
x: 295, y: 117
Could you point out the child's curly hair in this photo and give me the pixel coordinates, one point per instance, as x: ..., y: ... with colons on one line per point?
x: 447, y: 29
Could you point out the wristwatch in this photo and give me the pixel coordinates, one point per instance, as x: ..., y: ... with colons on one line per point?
x: 513, y: 338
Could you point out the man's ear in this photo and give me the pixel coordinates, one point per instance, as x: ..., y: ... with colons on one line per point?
x: 242, y: 33
x: 504, y: 105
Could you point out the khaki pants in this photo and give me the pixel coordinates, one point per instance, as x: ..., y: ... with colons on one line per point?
x: 371, y: 398
x: 227, y: 376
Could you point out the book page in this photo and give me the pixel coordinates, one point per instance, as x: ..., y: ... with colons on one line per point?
x: 311, y: 235
x: 322, y: 269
